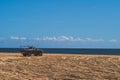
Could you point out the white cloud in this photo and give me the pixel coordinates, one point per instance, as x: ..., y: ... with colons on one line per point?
x: 50, y: 38
x: 22, y: 38
x: 17, y: 38
x: 14, y: 38
x: 59, y: 38
x: 70, y: 38
x: 94, y: 40
x: 64, y: 38
x: 113, y: 40
x: 37, y: 39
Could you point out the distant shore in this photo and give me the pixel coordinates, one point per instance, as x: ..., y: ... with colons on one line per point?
x: 66, y: 54
x: 59, y: 67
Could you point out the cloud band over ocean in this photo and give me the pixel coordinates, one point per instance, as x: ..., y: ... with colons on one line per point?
x: 63, y: 38
x: 59, y: 42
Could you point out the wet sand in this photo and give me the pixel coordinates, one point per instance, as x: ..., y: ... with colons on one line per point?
x: 59, y: 67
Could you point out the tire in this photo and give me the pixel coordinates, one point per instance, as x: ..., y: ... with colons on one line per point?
x: 40, y: 54
x: 36, y: 54
x: 24, y: 54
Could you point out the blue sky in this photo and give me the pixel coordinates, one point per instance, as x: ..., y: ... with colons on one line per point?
x: 60, y: 23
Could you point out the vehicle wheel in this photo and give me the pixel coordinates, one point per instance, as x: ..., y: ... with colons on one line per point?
x: 40, y: 54
x: 36, y: 54
x: 24, y: 54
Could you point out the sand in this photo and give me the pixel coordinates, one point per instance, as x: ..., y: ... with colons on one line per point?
x: 59, y: 67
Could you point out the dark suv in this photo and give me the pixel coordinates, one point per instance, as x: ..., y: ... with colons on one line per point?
x: 28, y: 51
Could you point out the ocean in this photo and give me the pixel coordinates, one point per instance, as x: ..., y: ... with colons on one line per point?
x: 70, y: 51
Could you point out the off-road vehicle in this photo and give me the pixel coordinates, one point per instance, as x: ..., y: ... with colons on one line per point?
x: 28, y: 51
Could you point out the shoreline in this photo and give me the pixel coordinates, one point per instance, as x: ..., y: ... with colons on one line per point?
x: 66, y: 54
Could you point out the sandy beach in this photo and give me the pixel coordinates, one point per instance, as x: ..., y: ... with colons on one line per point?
x: 59, y: 67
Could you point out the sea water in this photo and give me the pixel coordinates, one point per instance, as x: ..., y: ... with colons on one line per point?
x: 70, y: 51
